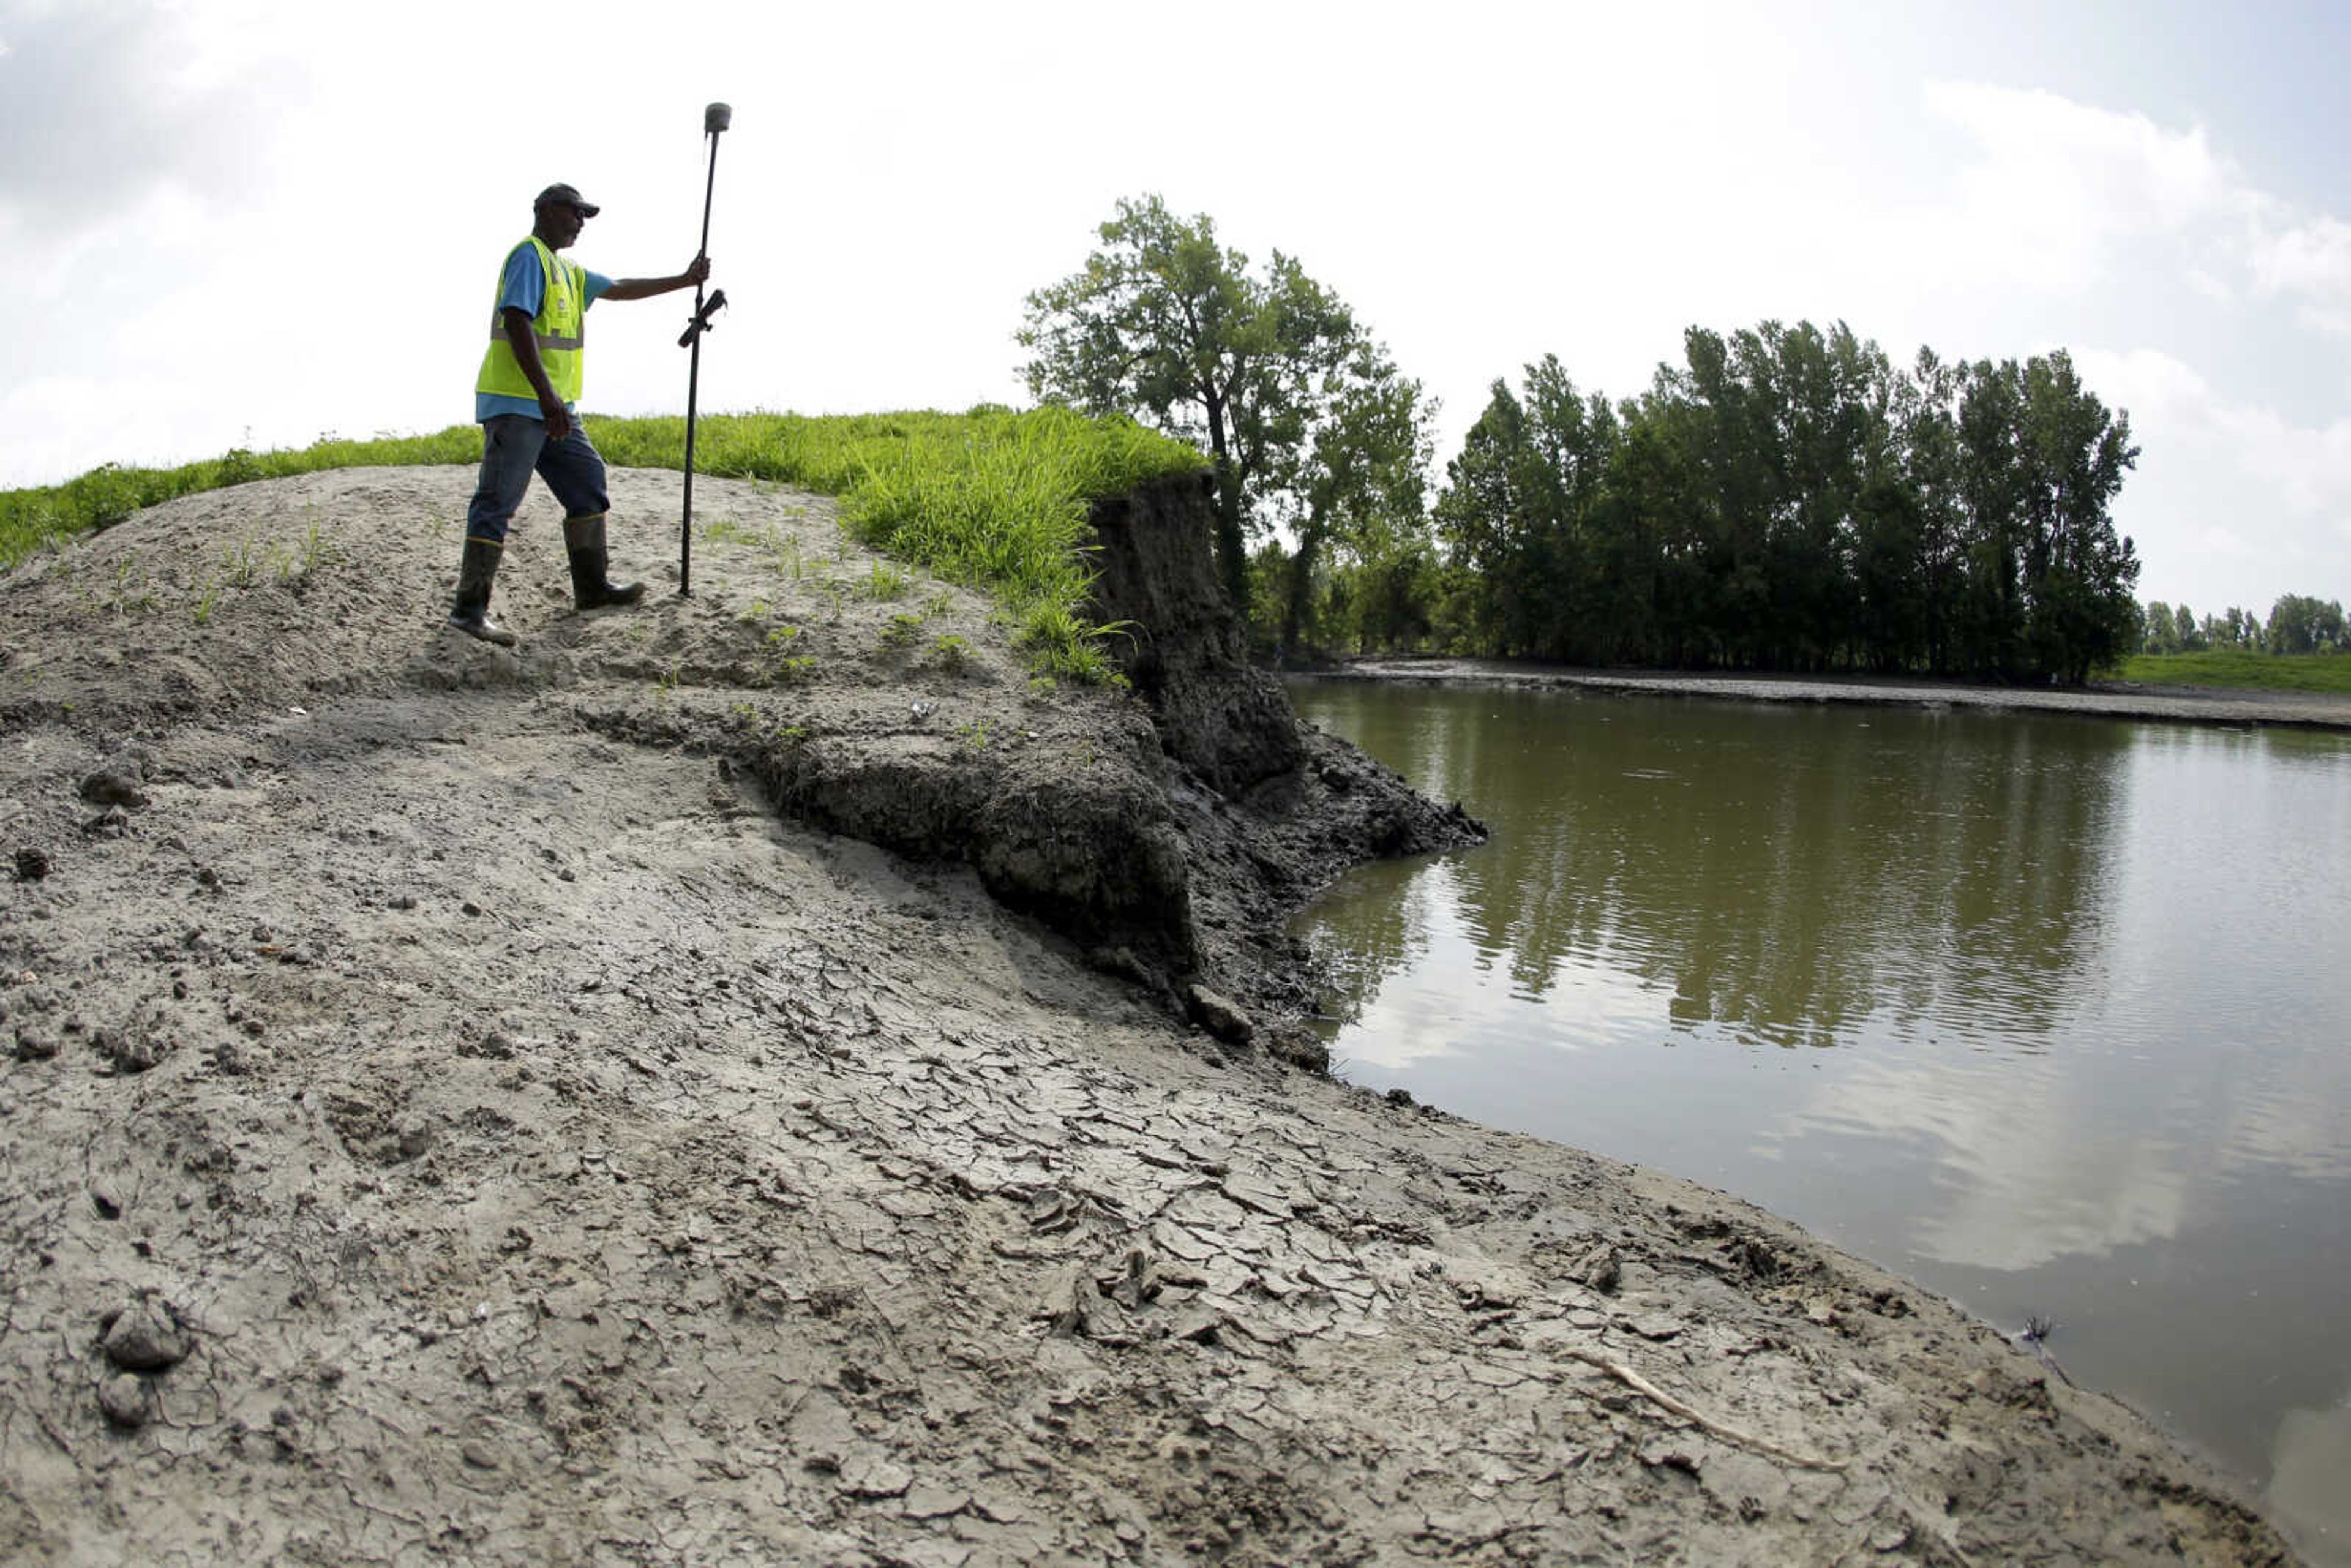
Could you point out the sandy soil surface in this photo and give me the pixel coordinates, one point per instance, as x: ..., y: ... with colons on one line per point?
x: 453, y: 1114
x: 2108, y: 699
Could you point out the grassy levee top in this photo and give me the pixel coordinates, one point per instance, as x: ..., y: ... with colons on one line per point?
x: 991, y: 498
x: 2242, y: 669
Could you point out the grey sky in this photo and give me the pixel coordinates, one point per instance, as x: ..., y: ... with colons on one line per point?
x: 255, y: 221
x: 104, y: 102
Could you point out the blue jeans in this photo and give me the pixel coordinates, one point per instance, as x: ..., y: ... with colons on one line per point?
x: 513, y: 445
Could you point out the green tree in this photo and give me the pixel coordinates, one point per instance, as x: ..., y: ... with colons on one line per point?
x: 1365, y: 483
x: 1925, y: 411
x: 2300, y: 624
x: 1488, y: 515
x: 1531, y: 506
x: 1785, y: 499
x: 1167, y: 325
x: 2077, y: 575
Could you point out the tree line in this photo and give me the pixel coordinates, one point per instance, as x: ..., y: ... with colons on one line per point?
x: 1784, y: 499
x: 2297, y: 623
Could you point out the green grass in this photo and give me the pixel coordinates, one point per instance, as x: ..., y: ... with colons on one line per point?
x: 105, y: 496
x: 2243, y: 668
x: 992, y: 498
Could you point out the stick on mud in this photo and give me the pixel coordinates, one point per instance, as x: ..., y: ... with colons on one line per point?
x: 1650, y: 1391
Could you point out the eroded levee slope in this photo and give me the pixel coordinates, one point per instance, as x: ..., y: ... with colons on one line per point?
x: 458, y: 1111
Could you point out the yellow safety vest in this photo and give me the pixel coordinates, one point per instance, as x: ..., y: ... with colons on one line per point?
x: 561, y: 311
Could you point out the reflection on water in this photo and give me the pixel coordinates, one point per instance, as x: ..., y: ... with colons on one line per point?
x: 1935, y: 868
x: 2311, y: 1456
x: 2048, y: 1013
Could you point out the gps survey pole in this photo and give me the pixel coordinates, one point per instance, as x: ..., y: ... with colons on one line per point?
x: 715, y: 118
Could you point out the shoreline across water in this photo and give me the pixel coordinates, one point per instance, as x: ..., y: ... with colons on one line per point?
x: 2187, y: 704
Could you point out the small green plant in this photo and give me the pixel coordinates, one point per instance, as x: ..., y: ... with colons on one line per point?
x: 972, y: 736
x: 784, y: 665
x: 201, y: 612
x: 887, y: 581
x: 901, y: 630
x: 1064, y: 643
x: 720, y: 529
x: 953, y: 654
x: 246, y: 563
x: 125, y: 593
x: 939, y: 602
x: 131, y: 596
x: 756, y: 613
x: 314, y: 550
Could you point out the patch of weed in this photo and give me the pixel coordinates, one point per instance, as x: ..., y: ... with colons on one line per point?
x: 992, y: 497
x: 886, y: 583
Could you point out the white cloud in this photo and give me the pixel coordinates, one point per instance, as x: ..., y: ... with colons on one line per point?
x: 2307, y: 260
x: 2121, y: 167
x: 2233, y: 502
x: 2051, y: 188
x: 101, y: 102
x: 2059, y: 193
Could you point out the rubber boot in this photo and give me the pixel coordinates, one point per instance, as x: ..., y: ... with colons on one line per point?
x: 584, y: 539
x: 470, y: 613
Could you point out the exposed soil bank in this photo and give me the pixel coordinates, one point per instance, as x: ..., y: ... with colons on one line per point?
x: 2106, y: 699
x: 470, y: 1106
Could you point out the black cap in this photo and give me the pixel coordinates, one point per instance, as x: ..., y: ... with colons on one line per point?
x: 570, y: 196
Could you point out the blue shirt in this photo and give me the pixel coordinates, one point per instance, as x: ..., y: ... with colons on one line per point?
x: 524, y: 288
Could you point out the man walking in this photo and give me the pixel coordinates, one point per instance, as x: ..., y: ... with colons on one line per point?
x: 526, y: 399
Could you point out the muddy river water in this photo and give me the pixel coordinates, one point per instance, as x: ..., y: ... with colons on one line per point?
x: 2050, y: 1013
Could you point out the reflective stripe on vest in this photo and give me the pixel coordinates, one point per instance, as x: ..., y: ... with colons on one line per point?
x: 557, y: 328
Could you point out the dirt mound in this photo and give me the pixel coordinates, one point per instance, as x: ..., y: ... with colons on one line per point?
x: 466, y: 1104
x: 863, y: 696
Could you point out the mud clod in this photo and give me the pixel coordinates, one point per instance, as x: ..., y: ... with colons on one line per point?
x: 1601, y: 1269
x: 126, y: 1401
x: 144, y: 1336
x: 1219, y: 1015
x: 108, y: 788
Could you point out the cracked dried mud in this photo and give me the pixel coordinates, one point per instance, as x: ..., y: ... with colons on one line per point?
x: 477, y: 1106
